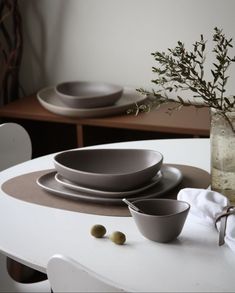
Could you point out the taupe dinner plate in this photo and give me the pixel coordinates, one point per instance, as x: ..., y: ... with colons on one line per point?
x: 48, y: 98
x: 103, y: 193
x: 171, y: 177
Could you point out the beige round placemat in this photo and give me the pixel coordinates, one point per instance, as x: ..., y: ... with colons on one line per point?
x: 24, y: 187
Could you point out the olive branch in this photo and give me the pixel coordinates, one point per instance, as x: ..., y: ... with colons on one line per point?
x: 179, y: 70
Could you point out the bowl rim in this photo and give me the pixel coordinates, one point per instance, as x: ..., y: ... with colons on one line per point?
x: 187, y: 207
x: 118, y: 89
x: 160, y: 161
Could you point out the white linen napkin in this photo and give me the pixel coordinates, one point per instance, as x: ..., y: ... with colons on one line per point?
x: 207, y: 205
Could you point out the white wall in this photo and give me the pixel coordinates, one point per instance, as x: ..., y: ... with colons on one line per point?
x: 111, y: 40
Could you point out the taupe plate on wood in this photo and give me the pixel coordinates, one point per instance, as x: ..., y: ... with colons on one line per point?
x: 48, y: 98
x: 171, y: 177
x: 103, y: 193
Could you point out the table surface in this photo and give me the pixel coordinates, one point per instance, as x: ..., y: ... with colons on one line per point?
x: 193, y: 263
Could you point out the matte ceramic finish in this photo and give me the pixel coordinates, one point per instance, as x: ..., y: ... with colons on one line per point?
x: 162, y: 220
x: 84, y: 94
x: 69, y: 184
x: 113, y: 169
x: 171, y: 177
x: 48, y: 98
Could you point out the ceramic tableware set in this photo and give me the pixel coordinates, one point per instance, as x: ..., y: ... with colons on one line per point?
x: 88, y: 99
x: 107, y: 175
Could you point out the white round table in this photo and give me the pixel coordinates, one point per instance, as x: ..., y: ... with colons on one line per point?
x: 32, y: 233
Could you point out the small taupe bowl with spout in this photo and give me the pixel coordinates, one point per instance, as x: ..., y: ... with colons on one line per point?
x: 160, y: 220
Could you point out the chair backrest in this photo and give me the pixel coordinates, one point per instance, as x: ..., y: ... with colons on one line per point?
x: 66, y: 275
x: 15, y: 145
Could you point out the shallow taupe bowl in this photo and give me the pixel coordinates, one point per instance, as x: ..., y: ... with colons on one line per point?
x: 109, y: 169
x: 84, y: 94
x: 162, y: 220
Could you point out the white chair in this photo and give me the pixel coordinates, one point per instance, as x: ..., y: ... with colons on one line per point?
x: 15, y: 145
x: 66, y: 275
x: 15, y: 148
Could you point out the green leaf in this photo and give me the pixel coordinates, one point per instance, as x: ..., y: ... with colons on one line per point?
x: 213, y: 73
x: 200, y: 54
x: 180, y: 99
x: 193, y: 89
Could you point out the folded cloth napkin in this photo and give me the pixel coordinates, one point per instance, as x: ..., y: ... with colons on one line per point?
x: 207, y: 206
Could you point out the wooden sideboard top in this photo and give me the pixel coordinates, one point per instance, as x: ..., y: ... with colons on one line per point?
x: 187, y: 120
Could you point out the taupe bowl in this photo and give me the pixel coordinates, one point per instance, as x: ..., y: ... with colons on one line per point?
x: 161, y: 220
x: 84, y: 94
x: 109, y: 169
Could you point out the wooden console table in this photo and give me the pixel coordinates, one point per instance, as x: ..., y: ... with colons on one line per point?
x: 187, y: 121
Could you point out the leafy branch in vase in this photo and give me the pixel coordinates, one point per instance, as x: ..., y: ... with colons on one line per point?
x: 180, y: 70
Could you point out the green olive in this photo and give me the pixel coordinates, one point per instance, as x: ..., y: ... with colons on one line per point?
x: 98, y: 231
x: 118, y: 237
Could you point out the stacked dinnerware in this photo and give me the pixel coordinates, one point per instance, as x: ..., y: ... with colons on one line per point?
x: 89, y: 99
x: 110, y: 173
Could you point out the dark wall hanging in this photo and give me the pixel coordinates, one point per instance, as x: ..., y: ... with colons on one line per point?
x: 11, y: 46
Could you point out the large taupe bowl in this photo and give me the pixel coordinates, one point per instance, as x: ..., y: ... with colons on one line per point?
x: 84, y: 94
x: 161, y: 220
x: 109, y: 169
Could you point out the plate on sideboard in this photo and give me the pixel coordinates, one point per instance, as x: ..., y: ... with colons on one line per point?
x: 48, y: 98
x: 171, y: 177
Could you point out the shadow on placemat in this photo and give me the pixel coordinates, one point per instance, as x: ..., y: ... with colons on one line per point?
x: 24, y: 187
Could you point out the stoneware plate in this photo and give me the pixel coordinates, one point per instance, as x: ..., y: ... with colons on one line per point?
x: 48, y: 98
x: 104, y: 193
x: 171, y: 177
